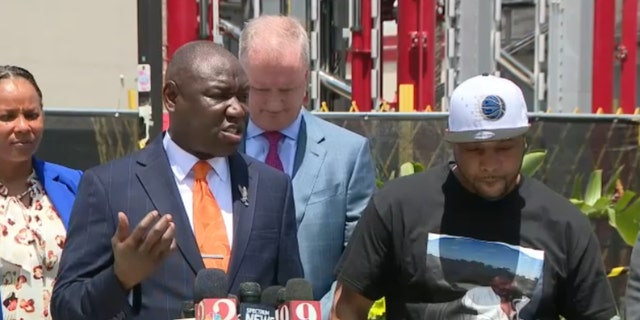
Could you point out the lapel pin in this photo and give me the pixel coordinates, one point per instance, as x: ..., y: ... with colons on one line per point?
x: 244, y: 195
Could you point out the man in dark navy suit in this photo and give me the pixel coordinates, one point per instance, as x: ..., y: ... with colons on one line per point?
x: 131, y: 214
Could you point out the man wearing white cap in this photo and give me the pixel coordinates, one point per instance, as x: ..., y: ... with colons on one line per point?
x: 434, y: 243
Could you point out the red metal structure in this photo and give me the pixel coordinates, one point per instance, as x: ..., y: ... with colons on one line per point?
x: 416, y: 54
x: 414, y: 49
x: 603, y: 55
x: 182, y: 24
x: 361, y: 61
x: 627, y: 53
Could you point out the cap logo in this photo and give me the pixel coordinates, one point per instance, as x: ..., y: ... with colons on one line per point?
x: 484, y: 135
x: 493, y: 107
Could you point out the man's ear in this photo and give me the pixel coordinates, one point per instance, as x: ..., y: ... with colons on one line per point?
x: 169, y: 95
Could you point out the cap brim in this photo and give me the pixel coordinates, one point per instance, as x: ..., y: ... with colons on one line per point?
x: 484, y: 135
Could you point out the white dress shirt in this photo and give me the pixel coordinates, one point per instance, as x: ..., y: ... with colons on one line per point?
x: 219, y: 180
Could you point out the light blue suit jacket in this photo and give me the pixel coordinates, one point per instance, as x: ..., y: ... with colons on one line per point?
x: 61, y: 184
x: 333, y: 179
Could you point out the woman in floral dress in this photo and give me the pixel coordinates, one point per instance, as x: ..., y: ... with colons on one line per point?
x: 35, y: 201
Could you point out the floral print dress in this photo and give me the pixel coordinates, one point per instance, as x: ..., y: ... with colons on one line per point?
x: 31, y: 241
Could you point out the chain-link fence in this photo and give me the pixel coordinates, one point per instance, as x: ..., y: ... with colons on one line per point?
x: 82, y: 139
x: 576, y: 145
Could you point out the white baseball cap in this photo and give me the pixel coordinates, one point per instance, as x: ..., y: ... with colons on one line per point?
x: 486, y: 108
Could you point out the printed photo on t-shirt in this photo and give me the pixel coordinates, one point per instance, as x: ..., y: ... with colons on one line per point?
x: 477, y: 279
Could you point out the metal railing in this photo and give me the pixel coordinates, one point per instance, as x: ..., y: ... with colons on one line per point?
x: 443, y: 115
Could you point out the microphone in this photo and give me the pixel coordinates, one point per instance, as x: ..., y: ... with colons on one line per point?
x: 299, y: 303
x: 211, y: 296
x: 250, y: 292
x: 251, y: 307
x: 282, y: 292
x: 270, y: 296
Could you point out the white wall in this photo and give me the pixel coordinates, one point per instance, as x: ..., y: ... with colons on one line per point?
x: 77, y: 49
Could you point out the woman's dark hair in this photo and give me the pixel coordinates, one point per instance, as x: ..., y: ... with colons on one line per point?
x: 8, y: 72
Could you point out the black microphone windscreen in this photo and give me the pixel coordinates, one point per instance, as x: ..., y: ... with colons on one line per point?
x: 210, y: 284
x: 298, y: 289
x: 250, y: 292
x: 270, y: 296
x: 282, y: 295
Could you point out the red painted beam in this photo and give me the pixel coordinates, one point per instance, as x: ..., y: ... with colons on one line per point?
x: 182, y: 24
x: 628, y: 63
x: 408, y: 40
x: 603, y: 55
x: 361, y: 61
x: 389, y: 49
x: 426, y: 89
x: 416, y: 54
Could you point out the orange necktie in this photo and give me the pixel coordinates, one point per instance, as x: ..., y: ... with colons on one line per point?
x: 208, y: 225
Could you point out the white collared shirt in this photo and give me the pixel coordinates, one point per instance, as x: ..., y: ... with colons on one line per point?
x: 219, y: 180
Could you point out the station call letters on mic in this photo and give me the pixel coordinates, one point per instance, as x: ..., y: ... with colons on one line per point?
x: 252, y: 306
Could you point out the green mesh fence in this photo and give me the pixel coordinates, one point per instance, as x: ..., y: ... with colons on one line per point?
x: 575, y: 146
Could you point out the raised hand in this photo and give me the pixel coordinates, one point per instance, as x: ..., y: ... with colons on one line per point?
x: 138, y: 253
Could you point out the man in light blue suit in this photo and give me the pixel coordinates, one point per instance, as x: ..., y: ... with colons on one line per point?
x: 331, y: 168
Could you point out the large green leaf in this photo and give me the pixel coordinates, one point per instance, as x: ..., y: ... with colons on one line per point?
x: 576, y: 193
x: 532, y: 162
x: 407, y: 168
x: 602, y: 205
x: 624, y: 200
x: 588, y: 210
x: 628, y: 222
x: 611, y: 213
x: 594, y: 188
x: 576, y: 202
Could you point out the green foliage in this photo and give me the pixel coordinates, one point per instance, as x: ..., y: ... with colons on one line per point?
x: 532, y: 162
x: 377, y: 311
x: 407, y: 168
x: 620, y: 207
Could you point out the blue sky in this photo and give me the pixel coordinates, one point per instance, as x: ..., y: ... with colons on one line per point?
x: 491, y: 253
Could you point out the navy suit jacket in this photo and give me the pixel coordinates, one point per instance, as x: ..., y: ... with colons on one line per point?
x: 60, y: 184
x: 264, y: 249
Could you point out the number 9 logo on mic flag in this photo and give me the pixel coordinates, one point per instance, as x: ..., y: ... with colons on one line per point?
x: 302, y: 310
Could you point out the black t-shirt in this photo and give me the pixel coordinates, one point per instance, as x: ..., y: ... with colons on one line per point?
x: 434, y: 249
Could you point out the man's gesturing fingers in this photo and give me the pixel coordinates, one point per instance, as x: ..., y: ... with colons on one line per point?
x: 122, y: 231
x: 155, y: 234
x: 139, y: 233
x: 166, y: 243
